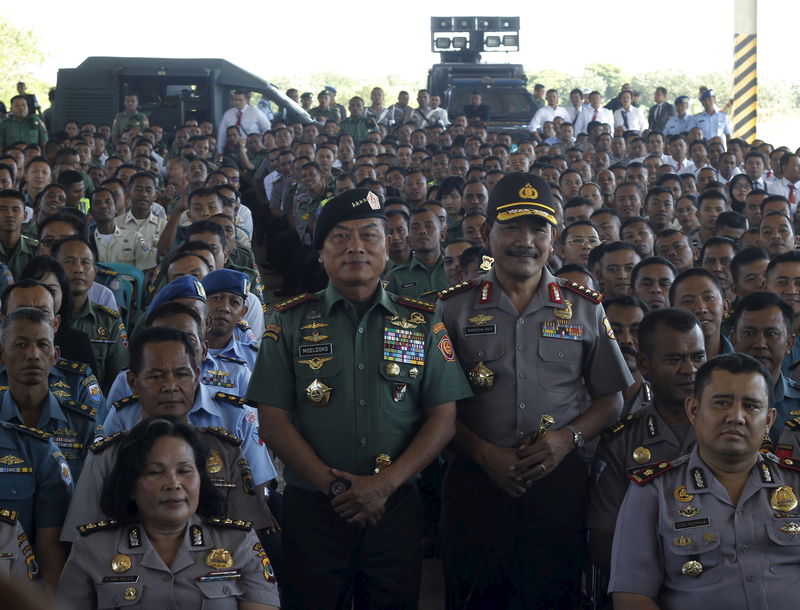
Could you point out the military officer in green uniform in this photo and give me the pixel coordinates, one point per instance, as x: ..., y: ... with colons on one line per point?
x: 357, y: 125
x: 16, y: 249
x: 533, y: 346
x: 28, y: 353
x: 103, y: 325
x: 356, y: 389
x: 130, y: 117
x: 424, y: 274
x: 19, y: 127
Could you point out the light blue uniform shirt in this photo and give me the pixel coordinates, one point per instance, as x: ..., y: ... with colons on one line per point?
x: 676, y: 125
x: 208, y: 410
x: 712, y: 125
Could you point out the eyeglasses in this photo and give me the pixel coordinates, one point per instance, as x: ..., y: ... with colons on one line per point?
x: 581, y: 242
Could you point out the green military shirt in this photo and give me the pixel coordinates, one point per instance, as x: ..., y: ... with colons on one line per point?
x: 30, y: 129
x: 20, y: 256
x: 108, y: 337
x: 415, y: 279
x: 123, y: 121
x: 455, y: 231
x: 357, y: 128
x: 355, y: 386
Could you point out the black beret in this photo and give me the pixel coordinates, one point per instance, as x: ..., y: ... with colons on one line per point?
x: 353, y: 204
x: 521, y: 194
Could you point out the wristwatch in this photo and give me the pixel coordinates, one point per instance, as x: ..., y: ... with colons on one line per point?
x: 577, y: 436
x: 338, y: 487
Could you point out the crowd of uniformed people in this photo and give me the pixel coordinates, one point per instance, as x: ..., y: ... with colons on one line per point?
x: 563, y: 361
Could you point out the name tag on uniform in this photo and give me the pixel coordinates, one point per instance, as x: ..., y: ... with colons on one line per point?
x: 316, y: 350
x: 561, y: 329
x: 408, y: 285
x: 486, y: 329
x: 691, y: 524
x: 121, y: 579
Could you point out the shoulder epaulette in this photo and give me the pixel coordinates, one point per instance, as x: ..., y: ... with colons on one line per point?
x: 230, y: 359
x: 230, y: 398
x: 416, y: 304
x: 80, y: 408
x: 650, y: 472
x: 108, y: 272
x: 790, y: 463
x: 793, y: 424
x: 619, y: 426
x: 223, y: 434
x: 91, y: 528
x: 294, y: 301
x: 71, y: 365
x: 243, y: 325
x: 233, y: 523
x: 8, y: 515
x: 35, y: 432
x: 448, y: 292
x: 124, y: 402
x: 112, y: 312
x: 587, y: 293
x: 104, y: 443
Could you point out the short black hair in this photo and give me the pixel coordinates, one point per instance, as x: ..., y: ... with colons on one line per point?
x: 73, y: 238
x: 746, y: 256
x: 578, y: 223
x: 116, y: 498
x: 626, y: 300
x: 792, y: 256
x: 652, y: 260
x: 158, y: 334
x: 29, y: 314
x: 690, y: 273
x: 718, y: 241
x: 676, y: 319
x: 208, y: 226
x: 25, y: 282
x: 37, y: 268
x: 758, y: 301
x: 731, y: 219
x: 70, y: 216
x: 737, y: 364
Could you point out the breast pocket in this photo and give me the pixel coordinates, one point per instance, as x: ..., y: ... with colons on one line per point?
x: 318, y: 382
x: 783, y: 550
x: 699, y: 545
x: 220, y: 594
x: 560, y: 364
x: 400, y: 385
x: 480, y: 357
x: 119, y: 595
x: 18, y: 487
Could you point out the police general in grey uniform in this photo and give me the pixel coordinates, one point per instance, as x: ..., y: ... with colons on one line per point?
x: 671, y: 349
x: 717, y: 528
x: 531, y: 345
x: 356, y: 389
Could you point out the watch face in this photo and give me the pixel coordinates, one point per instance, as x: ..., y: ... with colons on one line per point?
x: 338, y: 487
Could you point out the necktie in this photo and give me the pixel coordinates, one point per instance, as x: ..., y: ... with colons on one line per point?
x: 625, y: 118
x: 595, y: 115
x: 680, y: 165
x: 657, y: 112
x: 238, y: 118
x: 791, y: 194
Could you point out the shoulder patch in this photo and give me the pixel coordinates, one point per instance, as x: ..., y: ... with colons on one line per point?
x: 619, y: 426
x: 457, y: 288
x: 112, y: 312
x: 648, y: 473
x: 792, y: 424
x: 294, y: 301
x: 231, y: 359
x: 35, y: 432
x: 789, y: 463
x: 229, y: 398
x: 232, y: 523
x: 223, y: 434
x: 72, y: 365
x: 416, y: 304
x: 7, y: 515
x: 97, y: 526
x: 124, y: 402
x: 587, y: 293
x: 80, y: 408
x: 105, y: 442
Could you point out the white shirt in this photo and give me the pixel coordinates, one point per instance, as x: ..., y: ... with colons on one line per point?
x: 547, y: 113
x: 686, y: 166
x: 253, y: 121
x: 781, y: 187
x: 604, y: 115
x: 438, y: 115
x: 636, y: 119
x: 270, y: 179
x: 255, y: 315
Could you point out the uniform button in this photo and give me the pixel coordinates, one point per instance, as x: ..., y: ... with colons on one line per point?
x: 792, y: 537
x: 560, y: 354
x: 13, y: 491
x: 522, y: 405
x: 226, y: 589
x: 521, y: 321
x: 360, y: 330
x: 739, y: 512
x: 522, y: 375
x: 521, y: 348
x: 745, y: 548
x: 480, y: 354
x: 361, y: 403
x: 749, y: 578
x: 360, y: 366
x: 363, y: 441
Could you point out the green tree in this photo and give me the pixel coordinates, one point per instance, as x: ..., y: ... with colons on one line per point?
x: 19, y: 57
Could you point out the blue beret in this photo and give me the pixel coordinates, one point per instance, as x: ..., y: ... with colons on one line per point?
x: 331, y: 89
x: 352, y: 204
x: 682, y: 99
x: 184, y: 287
x: 227, y: 280
x: 707, y: 94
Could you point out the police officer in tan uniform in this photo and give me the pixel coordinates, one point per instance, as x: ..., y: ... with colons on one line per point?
x: 716, y: 528
x: 531, y: 345
x: 17, y: 559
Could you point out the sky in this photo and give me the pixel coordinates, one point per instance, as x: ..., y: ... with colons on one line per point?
x: 636, y: 36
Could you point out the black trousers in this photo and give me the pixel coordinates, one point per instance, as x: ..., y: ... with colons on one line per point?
x: 329, y: 563
x: 515, y: 553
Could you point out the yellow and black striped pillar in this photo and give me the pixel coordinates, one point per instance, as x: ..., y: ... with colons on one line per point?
x: 745, y: 81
